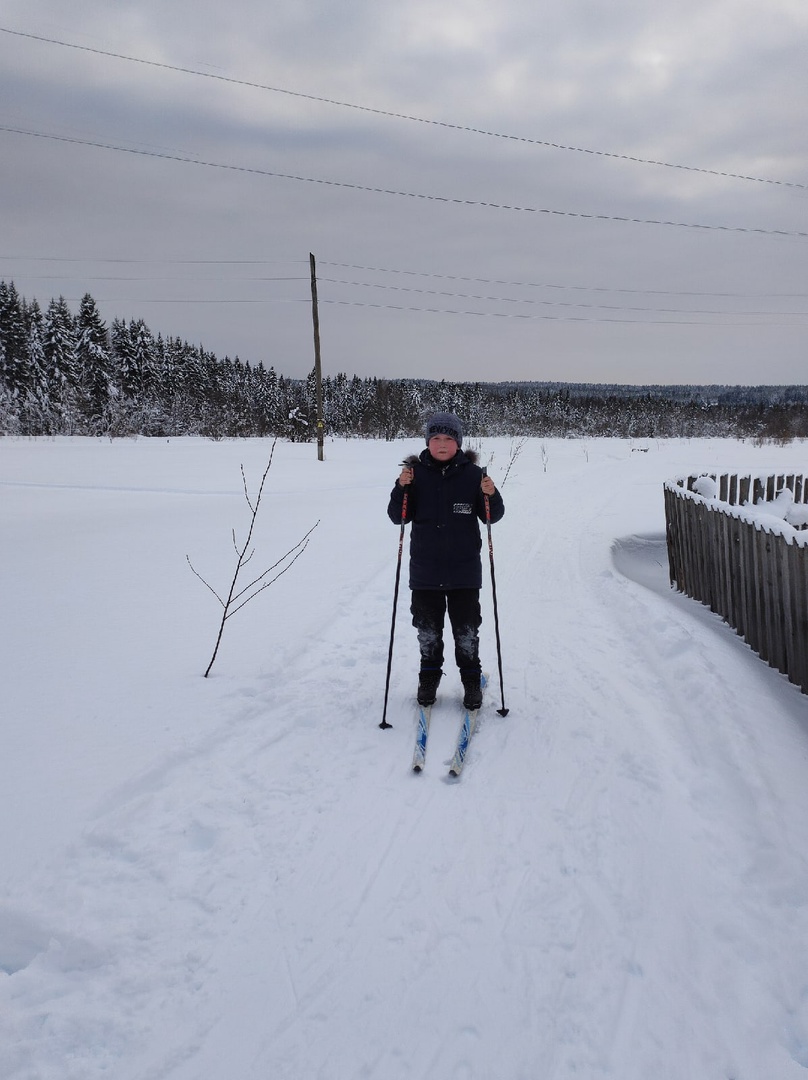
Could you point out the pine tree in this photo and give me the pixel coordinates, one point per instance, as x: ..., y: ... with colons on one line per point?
x: 14, y: 373
x: 59, y: 355
x: 119, y: 354
x: 273, y: 405
x: 37, y: 414
x: 172, y: 380
x: 93, y: 358
x: 144, y: 360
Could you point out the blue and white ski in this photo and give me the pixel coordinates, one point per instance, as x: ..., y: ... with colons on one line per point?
x: 422, y: 734
x: 467, y: 729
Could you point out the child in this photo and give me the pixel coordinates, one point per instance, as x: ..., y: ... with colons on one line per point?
x: 446, y: 493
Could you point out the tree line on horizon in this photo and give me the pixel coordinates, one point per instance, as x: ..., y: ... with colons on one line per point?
x: 66, y: 374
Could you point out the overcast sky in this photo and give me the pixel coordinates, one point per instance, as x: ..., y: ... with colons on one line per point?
x: 462, y: 173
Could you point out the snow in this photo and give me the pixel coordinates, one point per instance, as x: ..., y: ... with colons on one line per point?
x: 240, y: 876
x: 780, y: 516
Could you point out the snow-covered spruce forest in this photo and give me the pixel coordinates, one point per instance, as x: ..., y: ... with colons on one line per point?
x: 70, y: 374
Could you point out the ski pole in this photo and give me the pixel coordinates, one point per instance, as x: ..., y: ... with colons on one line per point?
x: 384, y: 723
x: 503, y: 711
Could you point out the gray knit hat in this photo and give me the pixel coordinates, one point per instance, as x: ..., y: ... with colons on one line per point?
x: 444, y: 423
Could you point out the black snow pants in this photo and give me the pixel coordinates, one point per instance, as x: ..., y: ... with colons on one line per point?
x: 429, y: 607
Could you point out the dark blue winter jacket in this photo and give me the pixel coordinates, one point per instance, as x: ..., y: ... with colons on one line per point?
x: 445, y: 505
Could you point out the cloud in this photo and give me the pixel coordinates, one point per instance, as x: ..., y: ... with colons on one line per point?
x: 706, y: 89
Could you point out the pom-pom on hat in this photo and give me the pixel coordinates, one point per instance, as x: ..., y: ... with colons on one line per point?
x: 444, y: 423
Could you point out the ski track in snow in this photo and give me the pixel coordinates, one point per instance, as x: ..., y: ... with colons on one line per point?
x: 616, y: 888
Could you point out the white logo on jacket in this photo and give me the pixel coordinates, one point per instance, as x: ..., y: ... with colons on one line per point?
x: 462, y: 508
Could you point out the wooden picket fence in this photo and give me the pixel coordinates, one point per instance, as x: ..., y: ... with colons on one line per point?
x: 753, y: 574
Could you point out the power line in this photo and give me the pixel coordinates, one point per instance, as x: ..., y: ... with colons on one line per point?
x: 191, y: 300
x: 696, y: 293
x: 151, y: 278
x: 744, y: 318
x: 447, y: 200
x: 634, y: 159
x: 555, y: 285
x: 141, y: 262
x: 549, y: 303
x: 543, y: 317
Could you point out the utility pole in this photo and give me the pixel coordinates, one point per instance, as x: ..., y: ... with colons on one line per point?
x: 318, y: 374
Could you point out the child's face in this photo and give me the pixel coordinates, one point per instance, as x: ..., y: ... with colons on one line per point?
x: 442, y: 447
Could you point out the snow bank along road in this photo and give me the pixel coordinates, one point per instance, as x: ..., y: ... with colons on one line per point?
x: 240, y: 876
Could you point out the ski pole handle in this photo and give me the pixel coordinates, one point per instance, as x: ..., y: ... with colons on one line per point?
x: 487, y: 508
x: 403, y: 522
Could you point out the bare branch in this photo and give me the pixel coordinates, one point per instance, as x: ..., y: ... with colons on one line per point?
x: 237, y: 598
x: 516, y: 450
x: 271, y: 581
x: 205, y: 582
x: 303, y: 540
x: 246, y: 495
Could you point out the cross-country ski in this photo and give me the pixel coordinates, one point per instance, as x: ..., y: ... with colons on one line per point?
x: 467, y: 729
x: 421, y: 737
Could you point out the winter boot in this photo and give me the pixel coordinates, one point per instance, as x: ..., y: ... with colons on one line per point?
x: 472, y: 691
x: 428, y: 681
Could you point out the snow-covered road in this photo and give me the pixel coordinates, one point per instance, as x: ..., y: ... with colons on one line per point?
x: 241, y: 877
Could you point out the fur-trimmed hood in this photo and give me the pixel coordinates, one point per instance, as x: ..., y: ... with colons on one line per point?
x: 414, y: 459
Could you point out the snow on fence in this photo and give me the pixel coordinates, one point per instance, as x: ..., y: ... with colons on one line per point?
x: 739, y: 544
